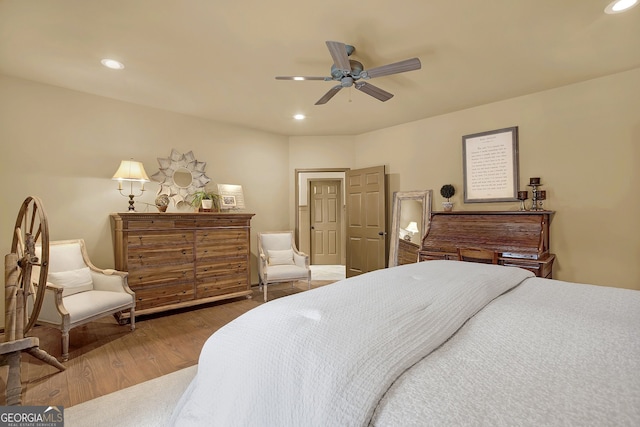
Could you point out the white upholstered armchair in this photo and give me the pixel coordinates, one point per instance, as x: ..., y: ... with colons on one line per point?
x: 78, y: 292
x: 280, y: 261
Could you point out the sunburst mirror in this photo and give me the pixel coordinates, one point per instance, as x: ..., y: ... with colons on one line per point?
x: 180, y: 176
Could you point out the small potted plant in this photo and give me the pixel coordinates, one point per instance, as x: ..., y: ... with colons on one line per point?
x: 447, y: 191
x: 205, y: 200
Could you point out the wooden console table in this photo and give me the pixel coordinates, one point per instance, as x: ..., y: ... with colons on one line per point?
x: 179, y: 260
x: 520, y: 237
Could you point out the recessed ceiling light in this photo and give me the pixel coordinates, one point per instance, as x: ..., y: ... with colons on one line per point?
x: 299, y: 116
x: 112, y: 63
x: 619, y: 6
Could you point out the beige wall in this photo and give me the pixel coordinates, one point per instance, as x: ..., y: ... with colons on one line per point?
x: 65, y: 146
x: 583, y: 140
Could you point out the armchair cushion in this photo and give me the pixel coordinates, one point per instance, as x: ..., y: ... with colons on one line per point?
x: 94, y: 304
x: 73, y: 281
x: 282, y: 273
x: 283, y: 257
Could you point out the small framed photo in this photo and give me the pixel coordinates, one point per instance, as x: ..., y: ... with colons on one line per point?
x: 227, y: 202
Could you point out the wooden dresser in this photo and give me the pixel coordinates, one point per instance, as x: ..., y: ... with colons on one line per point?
x: 179, y: 260
x: 520, y: 237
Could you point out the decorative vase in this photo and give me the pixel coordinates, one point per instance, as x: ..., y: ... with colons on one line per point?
x: 162, y: 201
x: 447, y: 206
x: 207, y: 204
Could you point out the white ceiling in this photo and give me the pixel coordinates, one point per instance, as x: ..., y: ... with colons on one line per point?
x: 217, y: 59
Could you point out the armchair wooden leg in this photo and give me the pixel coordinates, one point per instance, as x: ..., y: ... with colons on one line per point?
x: 132, y: 317
x: 65, y: 346
x: 265, y: 292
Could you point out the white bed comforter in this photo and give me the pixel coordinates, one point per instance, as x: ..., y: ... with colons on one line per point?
x: 327, y: 356
x: 547, y: 353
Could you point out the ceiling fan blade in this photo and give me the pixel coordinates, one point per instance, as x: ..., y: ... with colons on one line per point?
x: 374, y: 91
x: 338, y: 52
x: 303, y: 78
x: 395, y: 68
x: 327, y: 96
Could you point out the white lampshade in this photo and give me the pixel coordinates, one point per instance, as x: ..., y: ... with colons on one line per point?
x: 131, y: 170
x: 412, y: 227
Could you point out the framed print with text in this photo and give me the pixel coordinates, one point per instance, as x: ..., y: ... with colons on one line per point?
x: 490, y: 166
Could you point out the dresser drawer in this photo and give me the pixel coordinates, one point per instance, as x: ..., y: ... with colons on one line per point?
x: 222, y: 222
x: 222, y: 236
x: 159, y: 239
x: 148, y: 224
x: 227, y: 251
x: 150, y: 297
x: 221, y: 286
x: 217, y: 268
x: 222, y: 244
x: 138, y: 258
x: 159, y: 275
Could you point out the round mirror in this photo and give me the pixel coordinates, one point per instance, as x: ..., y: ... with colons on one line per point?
x: 182, y: 177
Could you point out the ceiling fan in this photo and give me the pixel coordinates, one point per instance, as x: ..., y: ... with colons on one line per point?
x: 352, y: 73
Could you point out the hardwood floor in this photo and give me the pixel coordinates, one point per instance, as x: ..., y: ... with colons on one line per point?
x: 105, y: 357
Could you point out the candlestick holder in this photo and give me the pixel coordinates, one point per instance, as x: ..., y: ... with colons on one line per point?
x: 534, y: 183
x: 542, y: 196
x: 534, y: 196
x: 522, y: 196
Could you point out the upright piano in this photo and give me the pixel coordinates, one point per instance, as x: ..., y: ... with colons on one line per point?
x: 521, y: 238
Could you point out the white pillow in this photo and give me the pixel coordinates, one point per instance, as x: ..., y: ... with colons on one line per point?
x: 284, y: 257
x: 74, y: 281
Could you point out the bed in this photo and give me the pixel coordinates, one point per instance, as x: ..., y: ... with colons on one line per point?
x: 432, y: 343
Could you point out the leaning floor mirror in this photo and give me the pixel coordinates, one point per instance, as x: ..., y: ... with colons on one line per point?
x: 410, y: 221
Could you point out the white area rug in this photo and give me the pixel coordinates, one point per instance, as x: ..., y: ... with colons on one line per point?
x: 327, y: 272
x: 148, y: 404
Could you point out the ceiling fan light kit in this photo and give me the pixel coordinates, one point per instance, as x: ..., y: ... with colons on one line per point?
x: 349, y: 72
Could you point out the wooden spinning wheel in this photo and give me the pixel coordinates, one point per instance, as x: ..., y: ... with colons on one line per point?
x: 23, y: 296
x: 31, y: 229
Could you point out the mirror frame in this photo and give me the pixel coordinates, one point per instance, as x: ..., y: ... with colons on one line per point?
x: 177, y: 161
x: 398, y: 196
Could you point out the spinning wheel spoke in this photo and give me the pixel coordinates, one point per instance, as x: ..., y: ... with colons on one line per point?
x: 20, y: 247
x: 33, y: 217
